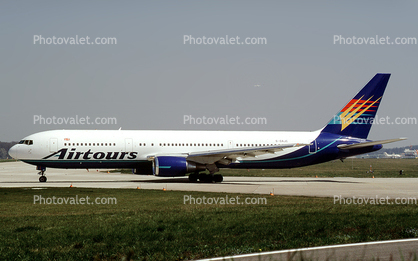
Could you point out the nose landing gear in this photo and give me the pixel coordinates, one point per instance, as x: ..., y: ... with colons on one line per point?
x: 42, y: 169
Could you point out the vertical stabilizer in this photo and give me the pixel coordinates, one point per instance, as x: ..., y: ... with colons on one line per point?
x: 356, y: 118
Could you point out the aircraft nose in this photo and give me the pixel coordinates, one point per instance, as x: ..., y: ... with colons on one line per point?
x: 13, y: 152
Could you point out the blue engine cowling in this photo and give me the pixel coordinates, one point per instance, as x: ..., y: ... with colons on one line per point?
x: 168, y: 166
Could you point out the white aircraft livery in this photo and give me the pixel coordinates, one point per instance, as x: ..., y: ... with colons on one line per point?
x: 178, y: 153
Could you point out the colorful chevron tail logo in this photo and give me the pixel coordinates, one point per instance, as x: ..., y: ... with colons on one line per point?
x: 357, y: 108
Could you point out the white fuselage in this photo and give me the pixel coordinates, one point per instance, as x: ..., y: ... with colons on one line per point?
x: 140, y: 145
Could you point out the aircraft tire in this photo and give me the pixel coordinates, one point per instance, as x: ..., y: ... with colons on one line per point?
x: 193, y: 177
x: 218, y: 178
x: 202, y: 177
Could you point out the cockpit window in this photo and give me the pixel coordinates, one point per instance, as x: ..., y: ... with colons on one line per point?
x: 27, y: 142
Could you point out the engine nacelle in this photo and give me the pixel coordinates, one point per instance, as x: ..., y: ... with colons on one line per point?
x: 167, y: 166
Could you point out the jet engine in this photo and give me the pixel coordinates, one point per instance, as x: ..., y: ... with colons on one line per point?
x: 169, y: 166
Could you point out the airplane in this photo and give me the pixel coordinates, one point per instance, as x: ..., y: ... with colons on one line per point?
x: 167, y: 153
x: 410, y: 153
x: 393, y: 155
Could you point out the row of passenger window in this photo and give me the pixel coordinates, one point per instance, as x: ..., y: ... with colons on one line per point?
x: 89, y: 144
x: 209, y: 144
x: 254, y: 145
x: 191, y: 144
x: 30, y: 142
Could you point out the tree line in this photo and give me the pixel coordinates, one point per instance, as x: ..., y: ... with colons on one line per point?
x: 4, y: 149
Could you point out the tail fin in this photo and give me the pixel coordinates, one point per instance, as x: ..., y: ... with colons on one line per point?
x: 356, y: 118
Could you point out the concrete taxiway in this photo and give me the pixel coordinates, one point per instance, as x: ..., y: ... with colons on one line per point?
x: 19, y: 174
x: 403, y: 249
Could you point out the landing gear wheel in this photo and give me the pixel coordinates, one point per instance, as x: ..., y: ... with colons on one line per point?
x: 205, y: 178
x: 42, y: 169
x: 193, y: 177
x: 202, y: 177
x: 209, y: 178
x: 218, y: 178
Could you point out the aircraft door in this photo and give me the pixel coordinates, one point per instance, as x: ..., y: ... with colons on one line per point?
x: 312, y: 147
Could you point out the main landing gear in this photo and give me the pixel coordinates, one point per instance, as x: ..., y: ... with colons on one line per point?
x: 205, y: 178
x: 42, y: 178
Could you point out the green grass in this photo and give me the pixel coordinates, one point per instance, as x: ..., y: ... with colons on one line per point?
x: 156, y: 225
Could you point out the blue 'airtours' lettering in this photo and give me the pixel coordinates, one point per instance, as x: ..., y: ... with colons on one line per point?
x: 87, y: 155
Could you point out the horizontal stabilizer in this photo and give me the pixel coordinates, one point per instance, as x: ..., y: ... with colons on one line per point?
x: 367, y: 144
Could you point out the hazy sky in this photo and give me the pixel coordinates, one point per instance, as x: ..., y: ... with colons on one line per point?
x: 150, y: 79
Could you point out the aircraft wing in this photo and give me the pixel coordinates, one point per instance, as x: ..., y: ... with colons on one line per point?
x: 366, y: 144
x: 226, y: 156
x: 229, y: 155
